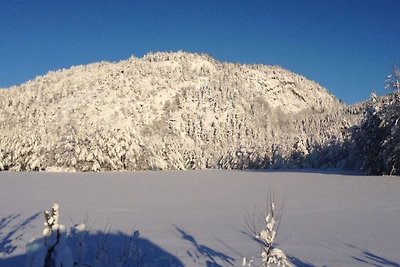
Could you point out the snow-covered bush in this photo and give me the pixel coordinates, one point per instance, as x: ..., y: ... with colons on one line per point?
x: 51, y: 250
x: 270, y: 255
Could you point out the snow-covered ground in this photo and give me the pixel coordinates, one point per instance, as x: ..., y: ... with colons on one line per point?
x: 198, y: 218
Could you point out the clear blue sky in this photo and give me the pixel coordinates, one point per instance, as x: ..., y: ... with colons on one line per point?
x: 348, y: 46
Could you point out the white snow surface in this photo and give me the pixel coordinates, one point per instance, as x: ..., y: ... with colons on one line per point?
x: 199, y: 217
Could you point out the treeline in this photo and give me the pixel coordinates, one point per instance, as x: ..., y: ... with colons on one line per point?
x: 377, y: 138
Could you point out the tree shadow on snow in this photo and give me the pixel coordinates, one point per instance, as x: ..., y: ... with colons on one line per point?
x: 11, y: 230
x: 212, y: 256
x: 299, y: 263
x: 372, y: 259
x: 109, y: 249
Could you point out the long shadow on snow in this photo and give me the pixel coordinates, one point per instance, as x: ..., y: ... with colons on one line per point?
x: 212, y: 256
x: 372, y: 259
x: 299, y: 263
x: 110, y: 247
x: 11, y: 229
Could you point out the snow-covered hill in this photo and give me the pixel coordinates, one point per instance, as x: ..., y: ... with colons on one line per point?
x: 166, y: 111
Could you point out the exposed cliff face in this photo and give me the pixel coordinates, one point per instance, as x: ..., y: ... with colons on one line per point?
x: 165, y: 111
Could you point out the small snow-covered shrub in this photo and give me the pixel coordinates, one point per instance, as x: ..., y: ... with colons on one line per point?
x: 52, y: 250
x: 270, y: 255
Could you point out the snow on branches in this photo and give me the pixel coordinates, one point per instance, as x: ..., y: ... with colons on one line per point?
x: 393, y: 80
x: 51, y: 250
x: 270, y: 255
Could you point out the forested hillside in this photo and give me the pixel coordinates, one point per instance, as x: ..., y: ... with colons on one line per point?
x: 178, y: 111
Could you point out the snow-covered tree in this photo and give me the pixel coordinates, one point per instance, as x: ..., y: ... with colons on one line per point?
x: 393, y: 80
x: 377, y: 138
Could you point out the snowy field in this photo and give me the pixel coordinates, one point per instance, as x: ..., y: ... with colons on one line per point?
x: 198, y: 218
